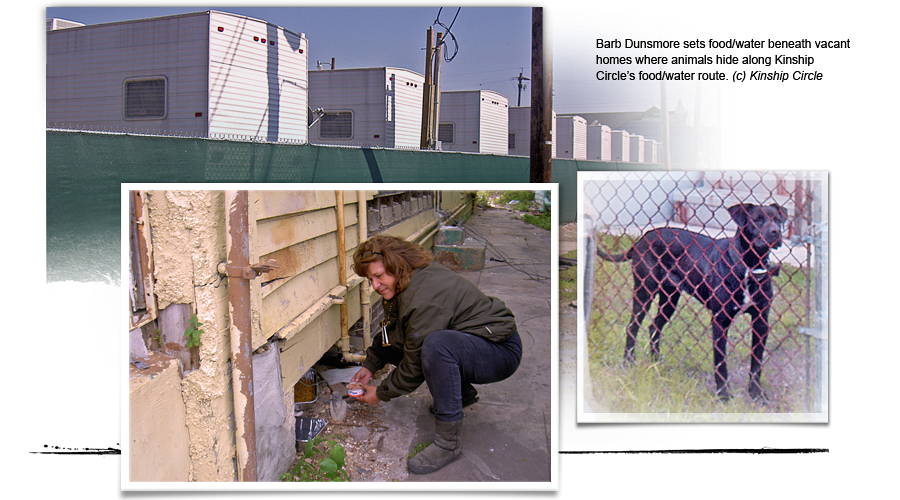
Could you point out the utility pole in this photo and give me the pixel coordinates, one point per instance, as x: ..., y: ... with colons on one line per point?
x: 664, y: 97
x: 521, y: 86
x: 438, y: 57
x: 695, y: 161
x: 428, y: 94
x: 541, y: 100
x: 431, y: 99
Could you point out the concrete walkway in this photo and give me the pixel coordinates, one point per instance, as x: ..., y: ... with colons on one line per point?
x: 507, y: 434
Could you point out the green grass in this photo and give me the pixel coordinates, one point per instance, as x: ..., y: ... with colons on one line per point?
x: 568, y: 280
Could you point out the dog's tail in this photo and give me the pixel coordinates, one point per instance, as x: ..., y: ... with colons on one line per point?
x: 618, y: 257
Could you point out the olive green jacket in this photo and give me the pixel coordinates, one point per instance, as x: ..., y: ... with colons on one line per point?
x: 436, y: 299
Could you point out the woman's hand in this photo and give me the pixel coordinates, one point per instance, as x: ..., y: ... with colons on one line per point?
x: 369, y: 397
x: 362, y: 376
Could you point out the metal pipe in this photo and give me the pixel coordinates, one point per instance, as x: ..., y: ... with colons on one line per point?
x: 342, y: 277
x: 237, y: 239
x: 365, y: 290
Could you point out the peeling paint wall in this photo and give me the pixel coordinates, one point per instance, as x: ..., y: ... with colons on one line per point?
x: 188, y: 234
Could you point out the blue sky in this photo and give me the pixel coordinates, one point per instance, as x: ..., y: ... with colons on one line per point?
x: 494, y: 44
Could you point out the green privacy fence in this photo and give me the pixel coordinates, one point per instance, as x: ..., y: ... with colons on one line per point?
x: 85, y: 170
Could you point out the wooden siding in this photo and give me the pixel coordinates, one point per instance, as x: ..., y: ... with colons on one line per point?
x: 298, y: 229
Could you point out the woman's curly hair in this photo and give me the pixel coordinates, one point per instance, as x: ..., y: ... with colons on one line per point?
x: 400, y: 258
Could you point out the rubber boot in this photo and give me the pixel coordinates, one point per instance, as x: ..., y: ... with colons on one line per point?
x: 444, y: 449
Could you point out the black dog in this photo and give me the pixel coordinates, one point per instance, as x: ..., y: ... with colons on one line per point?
x: 729, y: 275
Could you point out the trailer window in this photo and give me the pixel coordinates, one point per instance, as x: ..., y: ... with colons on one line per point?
x: 512, y: 140
x: 445, y: 133
x: 336, y: 125
x: 145, y: 98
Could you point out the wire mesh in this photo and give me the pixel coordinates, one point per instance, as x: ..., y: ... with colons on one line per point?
x: 669, y: 287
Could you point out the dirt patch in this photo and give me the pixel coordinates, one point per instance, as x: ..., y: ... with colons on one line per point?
x: 374, y: 451
x: 568, y: 232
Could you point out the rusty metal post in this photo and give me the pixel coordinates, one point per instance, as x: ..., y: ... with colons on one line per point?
x: 238, y: 256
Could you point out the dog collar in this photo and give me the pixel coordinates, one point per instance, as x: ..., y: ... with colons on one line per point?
x: 758, y: 272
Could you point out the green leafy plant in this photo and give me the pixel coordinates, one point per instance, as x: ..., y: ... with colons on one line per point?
x: 419, y: 447
x: 192, y: 332
x: 323, y: 460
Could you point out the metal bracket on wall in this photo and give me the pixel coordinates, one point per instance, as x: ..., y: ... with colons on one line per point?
x: 248, y: 273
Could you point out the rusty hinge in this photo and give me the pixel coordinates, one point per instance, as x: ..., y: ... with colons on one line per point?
x: 249, y: 272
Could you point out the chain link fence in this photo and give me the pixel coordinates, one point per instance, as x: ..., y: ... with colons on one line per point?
x: 679, y: 375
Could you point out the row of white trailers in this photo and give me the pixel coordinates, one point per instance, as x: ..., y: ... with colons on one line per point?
x: 217, y: 74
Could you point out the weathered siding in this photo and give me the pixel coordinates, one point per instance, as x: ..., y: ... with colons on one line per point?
x: 298, y: 229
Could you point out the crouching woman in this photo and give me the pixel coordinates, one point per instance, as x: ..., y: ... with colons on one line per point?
x: 439, y: 329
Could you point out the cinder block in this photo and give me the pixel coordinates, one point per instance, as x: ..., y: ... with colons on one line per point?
x: 450, y: 235
x: 466, y: 257
x: 374, y: 219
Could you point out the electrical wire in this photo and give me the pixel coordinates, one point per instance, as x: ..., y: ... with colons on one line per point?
x: 437, y: 22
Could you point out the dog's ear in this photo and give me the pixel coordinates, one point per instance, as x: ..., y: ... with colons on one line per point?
x: 780, y: 209
x: 739, y: 213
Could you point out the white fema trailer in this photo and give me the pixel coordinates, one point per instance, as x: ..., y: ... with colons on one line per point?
x: 366, y: 107
x: 571, y: 136
x: 204, y: 74
x: 520, y: 131
x: 474, y: 121
x: 599, y: 142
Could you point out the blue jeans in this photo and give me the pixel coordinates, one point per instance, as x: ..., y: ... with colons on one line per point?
x: 452, y: 359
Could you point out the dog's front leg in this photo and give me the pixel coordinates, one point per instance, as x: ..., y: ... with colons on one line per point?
x: 760, y: 327
x: 759, y: 322
x: 720, y: 324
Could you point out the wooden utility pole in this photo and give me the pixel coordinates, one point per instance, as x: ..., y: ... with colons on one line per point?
x: 664, y: 97
x: 431, y: 98
x: 428, y: 94
x: 438, y: 56
x: 695, y: 159
x: 541, y: 100
x: 521, y: 78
